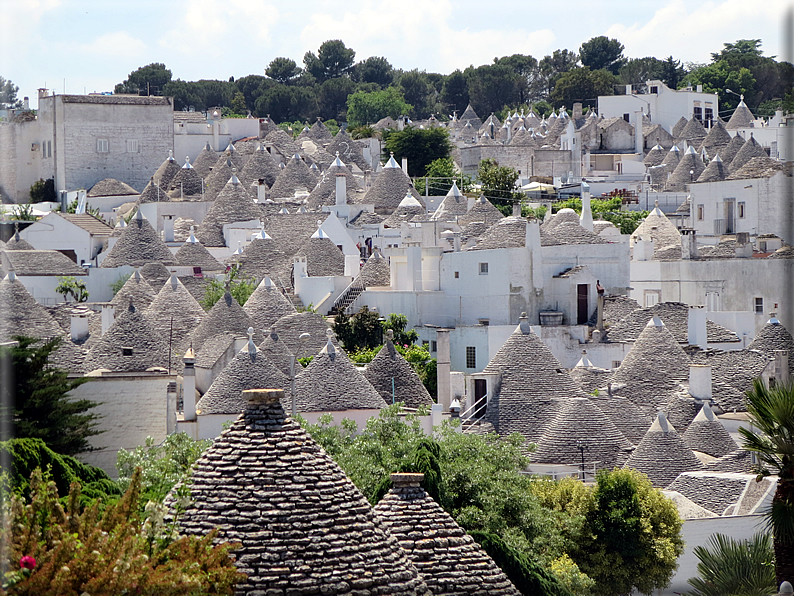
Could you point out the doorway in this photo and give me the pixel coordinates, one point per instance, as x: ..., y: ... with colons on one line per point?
x: 582, y: 312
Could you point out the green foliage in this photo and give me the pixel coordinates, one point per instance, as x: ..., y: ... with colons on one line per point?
x: 8, y: 94
x: 23, y: 212
x: 397, y: 323
x: 43, y: 190
x: 27, y: 455
x: 305, y: 361
x: 418, y: 91
x: 728, y: 566
x: 602, y: 53
x: 161, y: 466
x: 441, y: 172
x: 455, y: 91
x: 34, y: 401
x: 72, y: 208
x: 284, y: 103
x: 364, y: 355
x: 420, y: 146
x: 499, y: 184
x: 550, y: 69
x: 106, y: 553
x: 282, y: 70
x: 582, y: 85
x: 374, y: 69
x: 609, y: 210
x: 537, y: 213
x: 639, y: 70
x: 238, y: 104
x: 368, y: 107
x: 625, y: 221
x: 146, y: 80
x: 493, y: 86
x: 332, y: 98
x: 240, y: 286
x: 526, y: 575
x: 362, y: 330
x: 333, y: 60
x: 361, y: 132
x: 119, y: 283
x: 717, y: 77
x: 72, y: 287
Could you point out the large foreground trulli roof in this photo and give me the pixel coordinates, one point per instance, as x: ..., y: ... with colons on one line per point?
x: 306, y: 527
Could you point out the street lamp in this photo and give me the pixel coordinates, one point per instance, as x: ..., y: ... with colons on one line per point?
x: 292, y: 374
x: 739, y: 95
x: 580, y: 445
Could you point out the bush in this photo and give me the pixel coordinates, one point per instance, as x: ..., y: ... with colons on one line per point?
x: 240, y: 286
x: 72, y: 287
x: 119, y: 283
x: 43, y: 190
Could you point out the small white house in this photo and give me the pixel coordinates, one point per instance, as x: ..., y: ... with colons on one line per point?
x: 79, y: 237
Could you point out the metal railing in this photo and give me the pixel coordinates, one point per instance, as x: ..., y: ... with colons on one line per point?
x: 476, y: 411
x: 344, y: 302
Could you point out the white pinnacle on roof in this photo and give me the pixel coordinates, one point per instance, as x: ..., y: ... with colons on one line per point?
x: 261, y: 235
x: 239, y: 250
x: 284, y: 211
x: 661, y: 423
x: 187, y: 165
x: 409, y: 201
x: 234, y: 179
x: 170, y: 155
x: 320, y: 233
x: 655, y: 321
x: 453, y: 192
x: 252, y: 349
x: 690, y: 150
x: 675, y: 149
x: 391, y: 163
x: 337, y: 162
x: 584, y: 361
x: 11, y: 276
x: 773, y: 320
x: 230, y: 148
x: 190, y: 239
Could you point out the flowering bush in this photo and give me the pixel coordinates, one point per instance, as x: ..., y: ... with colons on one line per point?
x: 57, y: 551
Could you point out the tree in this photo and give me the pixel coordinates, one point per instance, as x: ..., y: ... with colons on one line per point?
x: 54, y: 548
x: 771, y: 411
x: 455, y: 91
x: 672, y: 73
x: 35, y: 401
x: 252, y: 87
x: 418, y: 92
x: 374, y: 69
x: 238, y: 104
x: 398, y: 323
x: 43, y: 190
x: 499, y: 184
x: 8, y: 94
x: 282, y: 70
x: 728, y: 566
x: 420, y: 146
x: 550, y: 69
x: 602, y: 52
x: 147, y: 80
x: 639, y: 70
x: 361, y: 331
x: 369, y: 107
x: 240, y: 286
x: 72, y: 287
x: 440, y: 173
x: 526, y: 68
x: 582, y: 85
x: 493, y: 86
x: 333, y: 59
x: 287, y: 103
x: 332, y: 98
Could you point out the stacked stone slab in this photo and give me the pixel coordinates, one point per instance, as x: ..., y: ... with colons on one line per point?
x: 137, y: 289
x: 302, y: 524
x: 395, y: 379
x: 277, y: 352
x: 390, y: 188
x: 205, y: 161
x: 449, y: 560
x: 175, y: 314
x: 267, y: 305
x: 233, y: 204
x: 138, y: 244
x: 295, y: 176
x: 707, y: 435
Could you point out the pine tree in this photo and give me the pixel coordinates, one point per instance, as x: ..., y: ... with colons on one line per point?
x: 34, y: 401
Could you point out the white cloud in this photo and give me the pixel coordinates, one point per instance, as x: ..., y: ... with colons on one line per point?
x: 118, y: 44
x: 20, y: 20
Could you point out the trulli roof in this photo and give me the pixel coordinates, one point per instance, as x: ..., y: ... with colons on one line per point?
x: 296, y: 175
x: 395, y: 379
x: 749, y: 150
x: 707, y: 435
x: 267, y: 304
x: 742, y: 117
x: 290, y: 327
x: 175, y: 314
x: 137, y: 245
x: 110, y: 187
x: 233, y: 204
x: 137, y: 288
x: 205, y: 161
x: 260, y: 166
x: 390, y: 188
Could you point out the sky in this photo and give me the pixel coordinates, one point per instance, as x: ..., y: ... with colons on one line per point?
x: 81, y: 46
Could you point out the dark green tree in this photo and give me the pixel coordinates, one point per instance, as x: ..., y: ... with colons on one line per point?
x: 374, y: 69
x: 602, y: 52
x: 639, y: 70
x: 34, y: 400
x: 455, y: 91
x: 200, y: 95
x: 499, y: 185
x: 673, y: 72
x: 252, y: 87
x: 333, y: 59
x: 238, y: 104
x: 493, y: 86
x: 332, y: 98
x: 147, y: 80
x: 8, y: 94
x: 368, y: 107
x: 43, y: 190
x: 582, y: 85
x: 441, y: 173
x: 282, y: 70
x: 419, y: 146
x: 287, y: 103
x: 550, y: 69
x: 418, y: 91
x: 363, y: 330
x: 397, y: 323
x: 526, y: 68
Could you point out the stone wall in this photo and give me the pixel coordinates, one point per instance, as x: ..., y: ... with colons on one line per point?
x: 528, y: 161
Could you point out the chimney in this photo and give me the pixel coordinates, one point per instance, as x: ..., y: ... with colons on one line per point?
x: 79, y: 327
x: 577, y: 110
x: 26, y: 103
x: 108, y: 316
x: 189, y: 385
x: 700, y: 381
x: 261, y: 190
x: 406, y: 480
x: 443, y: 368
x: 470, y: 203
x: 696, y: 327
x: 170, y: 408
x: 638, y: 138
x: 456, y: 241
x: 586, y: 219
x: 517, y: 209
x: 168, y: 228
x: 405, y: 165
x: 628, y: 90
x: 341, y: 190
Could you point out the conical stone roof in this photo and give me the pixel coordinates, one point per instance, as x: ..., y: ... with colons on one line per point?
x: 153, y: 193
x: 693, y: 133
x: 680, y: 409
x: 267, y: 305
x: 716, y: 140
x: 265, y: 257
x: 18, y: 243
x: 131, y: 344
x: 774, y: 336
x: 277, y: 352
x: 679, y: 127
x: 175, y: 314
x: 205, y: 161
x: 730, y: 151
x: 390, y: 188
x: 295, y: 176
x: 672, y: 159
x: 138, y: 244
x: 193, y: 254
x: 454, y: 204
x: 320, y: 133
x: 395, y: 379
x: 749, y: 150
x: 304, y: 508
x: 324, y: 193
x: 471, y: 117
x: 225, y: 317
x: 290, y: 327
x: 653, y: 368
x: 250, y: 369
x: 283, y: 142
x: 655, y: 156
x: 580, y: 422
x: 681, y: 176
x: 657, y: 227
x: 715, y: 171
x: 482, y: 211
x: 233, y: 204
x: 187, y: 185
x: 137, y: 289
x: 332, y: 384
x: 260, y: 166
x: 156, y: 274
x: 349, y: 150
x: 662, y: 454
x: 408, y: 210
x: 627, y: 417
x: 218, y: 178
x: 375, y: 272
x: 166, y: 172
x: 742, y: 117
x: 707, y: 435
x: 533, y: 384
x: 449, y: 560
x: 22, y: 315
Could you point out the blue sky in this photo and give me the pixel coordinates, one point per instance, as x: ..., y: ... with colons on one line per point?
x: 95, y: 44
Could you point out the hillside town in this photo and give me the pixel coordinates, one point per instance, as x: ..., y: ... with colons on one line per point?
x: 216, y: 276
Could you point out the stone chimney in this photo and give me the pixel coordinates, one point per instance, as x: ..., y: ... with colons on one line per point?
x: 261, y: 190
x: 638, y: 138
x: 405, y: 165
x: 456, y: 241
x: 189, y: 385
x: 407, y: 480
x: 26, y: 103
x: 341, y: 190
x: 586, y: 219
x: 696, y: 327
x: 443, y: 368
x: 577, y: 110
x: 781, y: 366
x: 79, y: 327
x: 108, y: 316
x: 700, y: 381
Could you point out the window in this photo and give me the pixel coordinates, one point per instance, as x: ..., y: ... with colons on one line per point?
x: 483, y: 268
x: 457, y: 274
x: 434, y: 346
x: 652, y: 297
x: 709, y: 114
x: 700, y: 212
x: 132, y: 145
x: 654, y: 89
x: 46, y: 149
x: 740, y: 209
x: 485, y: 322
x: 471, y: 357
x: 126, y: 351
x: 627, y: 117
x: 759, y: 305
x: 616, y: 364
x: 698, y: 114
x: 101, y: 145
